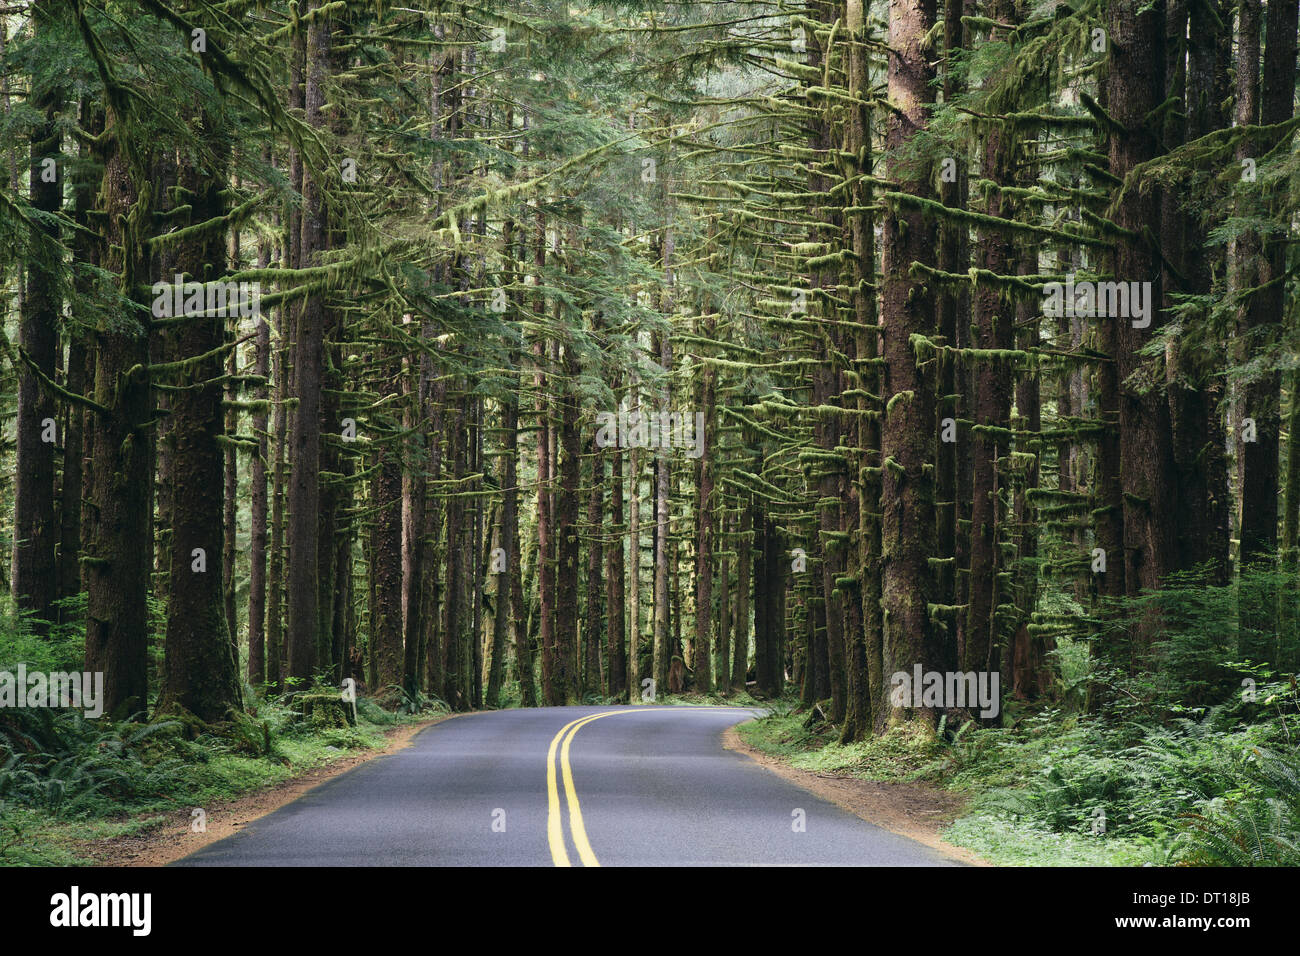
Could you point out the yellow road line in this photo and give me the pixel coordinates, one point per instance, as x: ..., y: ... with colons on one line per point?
x: 576, y: 827
x: 554, y: 827
x: 554, y: 820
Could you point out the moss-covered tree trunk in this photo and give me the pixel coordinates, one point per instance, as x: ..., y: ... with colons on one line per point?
x: 545, y: 528
x: 769, y: 605
x: 663, y: 649
x: 994, y: 326
x: 704, y: 533
x: 454, y: 691
x: 634, y: 641
x: 258, y: 500
x: 200, y: 668
x: 230, y: 491
x: 567, y: 491
x: 722, y: 670
x: 433, y: 637
x: 385, y: 537
x: 80, y: 378
x: 616, y: 580
x: 744, y: 570
x: 36, y: 528
x: 279, y: 444
x: 118, y: 546
x: 862, y: 519
x: 1134, y: 88
x: 303, y: 593
x: 909, y: 427
x: 594, y: 616
x: 953, y: 307
x: 415, y: 548
x: 1261, y: 397
x: 1195, y: 379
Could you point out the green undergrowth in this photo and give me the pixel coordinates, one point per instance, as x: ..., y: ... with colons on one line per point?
x: 66, y: 781
x: 1211, y: 785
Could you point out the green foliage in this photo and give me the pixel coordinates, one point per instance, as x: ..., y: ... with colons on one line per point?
x: 1260, y: 827
x: 61, y: 650
x: 902, y: 754
x: 1217, y: 785
x: 68, y: 765
x: 1207, y: 638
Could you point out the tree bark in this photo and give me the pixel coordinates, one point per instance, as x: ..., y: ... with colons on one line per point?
x: 304, y: 486
x: 33, y: 577
x: 118, y: 547
x: 200, y: 666
x: 908, y: 431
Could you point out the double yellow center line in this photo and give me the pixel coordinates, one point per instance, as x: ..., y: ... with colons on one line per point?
x: 554, y: 821
x: 554, y: 818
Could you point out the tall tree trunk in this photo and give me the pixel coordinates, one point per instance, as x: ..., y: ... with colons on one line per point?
x: 309, y: 360
x: 1135, y: 87
x: 663, y: 652
x: 500, y: 606
x: 545, y: 532
x: 593, y: 628
x: 566, y: 521
x: 118, y: 546
x: 333, y: 495
x: 414, y: 545
x: 386, y: 537
x: 474, y: 569
x: 454, y: 691
x: 33, y: 579
x: 229, y: 496
x: 953, y: 306
x: 740, y: 622
x: 343, y: 624
x: 433, y: 530
x: 275, y: 571
x: 258, y: 497
x: 516, y: 253
x: 704, y: 532
x: 994, y: 322
x: 200, y: 667
x: 513, y: 578
x: 860, y: 516
x: 634, y: 560
x: 615, y: 582
x: 908, y: 432
x: 1264, y: 310
x: 722, y: 670
x: 80, y: 377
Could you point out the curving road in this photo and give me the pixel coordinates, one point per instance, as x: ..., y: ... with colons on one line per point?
x: 566, y: 786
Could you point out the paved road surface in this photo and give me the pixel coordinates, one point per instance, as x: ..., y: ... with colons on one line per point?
x: 575, y: 786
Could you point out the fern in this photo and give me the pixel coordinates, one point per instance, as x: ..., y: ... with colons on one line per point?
x: 1253, y: 830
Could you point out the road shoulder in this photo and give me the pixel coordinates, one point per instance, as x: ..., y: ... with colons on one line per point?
x: 173, y: 839
x: 916, y: 811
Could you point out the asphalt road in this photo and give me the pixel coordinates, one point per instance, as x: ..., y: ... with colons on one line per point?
x: 609, y: 786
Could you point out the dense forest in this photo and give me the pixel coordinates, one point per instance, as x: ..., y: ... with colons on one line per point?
x: 922, y: 369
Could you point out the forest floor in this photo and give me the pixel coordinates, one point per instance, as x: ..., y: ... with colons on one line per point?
x: 955, y: 798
